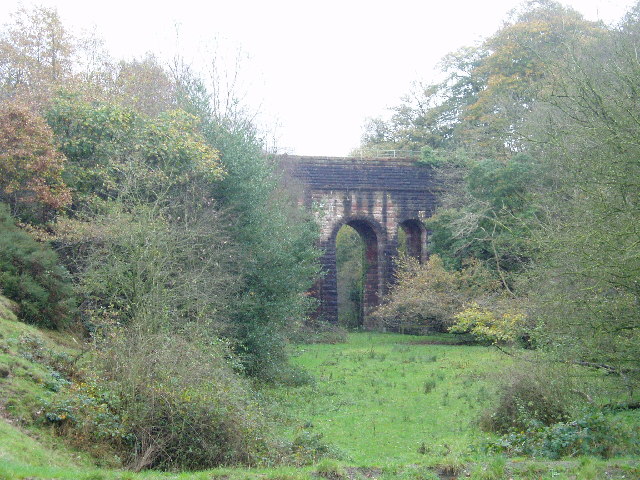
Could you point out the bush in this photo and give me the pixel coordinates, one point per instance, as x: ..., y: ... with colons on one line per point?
x: 589, y: 434
x: 87, y: 413
x: 526, y: 396
x: 185, y: 405
x: 308, y: 447
x: 167, y: 402
x: 489, y: 326
x: 31, y: 276
x: 426, y: 296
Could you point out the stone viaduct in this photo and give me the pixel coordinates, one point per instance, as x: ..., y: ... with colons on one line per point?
x: 376, y: 197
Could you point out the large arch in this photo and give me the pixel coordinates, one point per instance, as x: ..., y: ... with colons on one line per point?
x: 373, y: 236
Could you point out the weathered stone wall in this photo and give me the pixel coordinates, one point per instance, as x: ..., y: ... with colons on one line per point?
x: 375, y: 197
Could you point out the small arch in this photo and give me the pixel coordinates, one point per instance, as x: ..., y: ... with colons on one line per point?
x: 350, y: 269
x: 414, y: 240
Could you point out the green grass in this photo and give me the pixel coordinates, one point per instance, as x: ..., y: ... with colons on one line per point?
x: 397, y: 407
x: 384, y: 398
x: 27, y: 379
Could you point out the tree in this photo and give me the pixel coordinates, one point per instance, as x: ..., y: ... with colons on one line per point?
x: 487, y: 89
x: 108, y: 145
x: 145, y: 86
x: 36, y: 54
x: 495, y: 222
x: 585, y: 285
x: 32, y: 276
x: 30, y: 166
x: 514, y: 73
x: 277, y: 238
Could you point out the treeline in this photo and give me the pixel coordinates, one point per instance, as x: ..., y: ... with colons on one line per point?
x: 536, y: 129
x: 139, y: 211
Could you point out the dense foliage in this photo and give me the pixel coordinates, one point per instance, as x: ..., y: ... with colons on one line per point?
x: 183, y: 247
x: 545, y: 113
x: 426, y: 297
x: 30, y: 166
x: 585, y: 285
x: 165, y: 401
x: 31, y: 275
x: 277, y: 258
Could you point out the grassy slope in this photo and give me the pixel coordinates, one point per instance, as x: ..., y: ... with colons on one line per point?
x: 396, y: 408
x: 25, y: 381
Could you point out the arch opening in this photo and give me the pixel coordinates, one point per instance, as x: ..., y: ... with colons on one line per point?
x: 350, y: 266
x: 412, y: 239
x: 357, y: 272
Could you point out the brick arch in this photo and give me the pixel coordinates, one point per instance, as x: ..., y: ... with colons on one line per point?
x: 375, y: 196
x: 372, y: 235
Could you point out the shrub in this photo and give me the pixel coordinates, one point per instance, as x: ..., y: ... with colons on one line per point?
x: 31, y: 276
x: 589, y: 434
x: 427, y: 296
x: 87, y: 413
x: 489, y: 326
x: 526, y: 396
x: 167, y: 402
x: 309, y: 447
x: 184, y: 404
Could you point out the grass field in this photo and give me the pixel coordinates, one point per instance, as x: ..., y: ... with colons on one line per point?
x: 392, y: 406
x: 394, y: 398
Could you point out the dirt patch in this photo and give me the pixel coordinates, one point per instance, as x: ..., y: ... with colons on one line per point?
x: 451, y: 343
x: 354, y: 473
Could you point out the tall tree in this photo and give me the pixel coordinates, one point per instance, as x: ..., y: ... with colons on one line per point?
x: 513, y: 73
x: 585, y: 288
x: 277, y: 237
x: 144, y: 85
x: 487, y: 89
x: 36, y: 53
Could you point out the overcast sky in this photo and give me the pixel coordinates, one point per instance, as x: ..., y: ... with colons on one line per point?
x: 315, y: 70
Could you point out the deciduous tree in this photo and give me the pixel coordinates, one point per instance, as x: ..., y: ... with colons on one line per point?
x: 586, y: 286
x: 30, y: 165
x: 36, y: 54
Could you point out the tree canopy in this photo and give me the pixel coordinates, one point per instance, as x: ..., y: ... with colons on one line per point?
x: 540, y: 122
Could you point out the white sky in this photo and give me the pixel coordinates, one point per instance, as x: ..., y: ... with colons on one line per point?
x: 315, y: 70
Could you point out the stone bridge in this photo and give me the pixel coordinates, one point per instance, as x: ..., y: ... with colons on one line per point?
x: 376, y: 197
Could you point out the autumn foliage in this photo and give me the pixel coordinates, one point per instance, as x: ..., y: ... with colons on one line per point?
x: 30, y: 166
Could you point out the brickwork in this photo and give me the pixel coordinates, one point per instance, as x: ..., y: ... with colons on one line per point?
x: 374, y: 196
